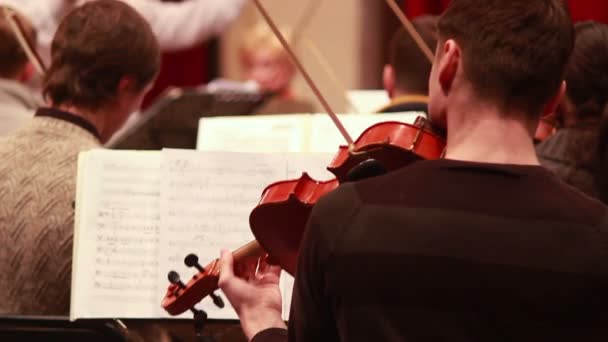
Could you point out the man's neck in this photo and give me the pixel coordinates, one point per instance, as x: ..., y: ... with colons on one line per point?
x: 484, y: 134
x: 95, y: 118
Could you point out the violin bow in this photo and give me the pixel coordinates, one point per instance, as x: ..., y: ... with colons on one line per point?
x: 329, y: 71
x: 307, y: 78
x: 26, y: 44
x: 407, y: 24
x: 302, y: 24
x: 299, y: 35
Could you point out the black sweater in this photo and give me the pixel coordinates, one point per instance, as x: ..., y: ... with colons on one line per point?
x: 453, y: 251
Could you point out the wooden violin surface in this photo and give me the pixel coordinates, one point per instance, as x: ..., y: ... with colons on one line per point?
x: 278, y: 222
x: 394, y: 144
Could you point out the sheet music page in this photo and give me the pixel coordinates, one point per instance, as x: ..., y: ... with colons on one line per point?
x: 260, y: 133
x: 368, y: 101
x: 325, y: 137
x: 206, y: 199
x: 116, y: 235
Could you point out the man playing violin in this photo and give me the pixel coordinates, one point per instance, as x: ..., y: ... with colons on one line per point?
x: 484, y: 245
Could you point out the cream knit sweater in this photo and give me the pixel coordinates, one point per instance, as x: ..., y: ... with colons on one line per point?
x: 37, y: 189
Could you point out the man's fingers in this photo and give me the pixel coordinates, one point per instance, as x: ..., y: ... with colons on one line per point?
x: 226, y: 267
x: 267, y: 267
x: 268, y: 274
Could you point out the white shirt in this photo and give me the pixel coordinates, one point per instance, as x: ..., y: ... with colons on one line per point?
x: 177, y: 25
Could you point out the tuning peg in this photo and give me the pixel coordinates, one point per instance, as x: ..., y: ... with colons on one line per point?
x: 198, y: 314
x: 191, y: 260
x: 175, y: 279
x: 200, y: 318
x: 217, y: 300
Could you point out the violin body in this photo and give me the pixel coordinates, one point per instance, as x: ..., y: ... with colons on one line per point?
x: 278, y: 222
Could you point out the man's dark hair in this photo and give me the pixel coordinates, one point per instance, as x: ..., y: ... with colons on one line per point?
x: 515, y: 52
x: 412, y: 68
x: 587, y: 78
x: 587, y: 73
x: 95, y: 46
x: 12, y: 55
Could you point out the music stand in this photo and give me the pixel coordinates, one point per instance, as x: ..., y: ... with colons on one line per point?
x: 172, y: 122
x: 51, y: 329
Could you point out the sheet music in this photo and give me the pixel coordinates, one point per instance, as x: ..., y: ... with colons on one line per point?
x: 139, y: 214
x: 116, y: 235
x: 368, y: 101
x: 272, y: 133
x: 325, y: 137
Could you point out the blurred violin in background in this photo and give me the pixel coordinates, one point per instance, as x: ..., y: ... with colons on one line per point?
x: 547, y: 126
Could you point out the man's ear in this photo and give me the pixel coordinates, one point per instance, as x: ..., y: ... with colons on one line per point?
x: 449, y: 63
x: 126, y: 84
x: 27, y: 73
x: 388, y: 80
x: 555, y: 101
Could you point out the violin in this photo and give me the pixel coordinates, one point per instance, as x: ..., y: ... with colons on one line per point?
x: 279, y: 221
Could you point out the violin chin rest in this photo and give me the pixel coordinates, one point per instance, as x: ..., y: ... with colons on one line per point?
x: 367, y: 169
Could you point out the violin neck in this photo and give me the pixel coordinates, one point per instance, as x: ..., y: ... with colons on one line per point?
x: 250, y: 250
x: 247, y: 255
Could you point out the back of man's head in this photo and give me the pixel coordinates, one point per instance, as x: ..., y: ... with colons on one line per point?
x: 514, y: 53
x: 410, y: 66
x: 95, y: 47
x: 13, y: 59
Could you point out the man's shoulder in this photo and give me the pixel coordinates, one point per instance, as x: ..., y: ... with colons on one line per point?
x: 350, y: 196
x: 573, y: 200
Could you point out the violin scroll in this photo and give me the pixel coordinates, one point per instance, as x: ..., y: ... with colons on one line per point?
x: 181, y: 297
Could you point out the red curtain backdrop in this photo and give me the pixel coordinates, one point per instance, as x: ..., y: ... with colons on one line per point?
x: 581, y: 9
x: 181, y: 69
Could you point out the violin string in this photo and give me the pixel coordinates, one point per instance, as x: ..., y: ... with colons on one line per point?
x: 329, y: 71
x: 407, y: 24
x: 304, y: 73
x: 26, y: 45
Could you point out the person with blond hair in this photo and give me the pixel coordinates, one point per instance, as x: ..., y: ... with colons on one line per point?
x: 268, y: 67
